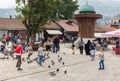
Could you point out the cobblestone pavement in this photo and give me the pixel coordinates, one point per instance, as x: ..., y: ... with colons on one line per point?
x: 77, y: 67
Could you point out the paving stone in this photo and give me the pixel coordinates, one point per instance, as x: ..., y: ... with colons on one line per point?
x: 78, y: 67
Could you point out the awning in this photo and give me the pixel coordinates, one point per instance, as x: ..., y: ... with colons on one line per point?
x: 99, y: 35
x: 115, y: 33
x: 54, y: 32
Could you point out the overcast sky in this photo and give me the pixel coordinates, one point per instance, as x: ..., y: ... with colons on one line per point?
x: 11, y: 3
x: 107, y: 7
x: 7, y: 3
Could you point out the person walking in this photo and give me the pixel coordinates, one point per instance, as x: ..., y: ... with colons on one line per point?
x: 40, y: 54
x: 73, y: 48
x: 56, y: 46
x: 101, y: 62
x: 87, y: 47
x: 30, y: 51
x: 80, y: 43
x: 18, y: 53
x: 92, y: 50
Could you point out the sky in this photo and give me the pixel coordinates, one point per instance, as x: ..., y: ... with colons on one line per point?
x: 97, y: 4
x: 7, y: 3
x: 105, y: 7
x: 101, y: 6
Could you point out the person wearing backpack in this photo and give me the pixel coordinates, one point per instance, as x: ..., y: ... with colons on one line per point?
x: 92, y: 50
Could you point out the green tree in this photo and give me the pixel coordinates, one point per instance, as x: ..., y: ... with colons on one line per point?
x: 36, y: 13
x: 67, y: 9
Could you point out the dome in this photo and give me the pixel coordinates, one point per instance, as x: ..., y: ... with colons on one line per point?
x: 87, y: 9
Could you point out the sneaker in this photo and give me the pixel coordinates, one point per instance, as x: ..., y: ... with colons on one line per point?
x: 17, y: 66
x: 102, y: 68
x: 99, y: 68
x: 41, y: 65
x: 19, y: 69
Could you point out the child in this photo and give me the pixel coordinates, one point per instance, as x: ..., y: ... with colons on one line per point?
x: 101, y: 62
x: 40, y: 54
x: 92, y: 53
x: 30, y: 51
x: 73, y: 46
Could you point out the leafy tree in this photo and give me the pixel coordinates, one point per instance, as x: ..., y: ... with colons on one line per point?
x: 36, y: 13
x: 67, y: 8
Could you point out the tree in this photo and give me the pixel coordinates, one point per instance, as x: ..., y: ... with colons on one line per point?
x: 36, y: 13
x: 67, y: 9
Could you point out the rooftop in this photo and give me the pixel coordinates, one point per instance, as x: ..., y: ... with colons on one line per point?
x: 68, y: 26
x: 11, y: 24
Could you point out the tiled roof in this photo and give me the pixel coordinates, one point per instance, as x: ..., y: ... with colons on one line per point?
x: 114, y: 19
x: 107, y: 29
x: 11, y: 24
x: 16, y: 24
x: 68, y: 27
x: 104, y: 29
x: 99, y: 29
x: 52, y: 25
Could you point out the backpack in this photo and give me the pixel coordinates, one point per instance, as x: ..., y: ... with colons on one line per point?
x: 92, y: 46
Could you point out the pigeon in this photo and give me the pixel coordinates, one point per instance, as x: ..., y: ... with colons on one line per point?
x: 65, y: 72
x: 27, y: 57
x: 52, y: 73
x: 34, y: 59
x: 57, y: 70
x: 28, y: 62
x: 52, y: 62
x: 49, y: 66
x: 64, y: 53
x: 4, y: 58
x: 59, y: 60
x: 7, y: 57
x: 47, y: 54
x: 58, y: 56
x: 23, y: 59
x: 63, y: 63
x: 45, y: 58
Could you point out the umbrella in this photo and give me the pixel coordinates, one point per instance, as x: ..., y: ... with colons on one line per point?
x: 115, y: 33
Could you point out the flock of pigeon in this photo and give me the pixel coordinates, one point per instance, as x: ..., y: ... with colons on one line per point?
x: 52, y: 63
x: 60, y: 60
x: 46, y: 57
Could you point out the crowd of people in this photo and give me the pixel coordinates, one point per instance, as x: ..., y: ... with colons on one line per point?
x: 53, y: 44
x: 90, y: 49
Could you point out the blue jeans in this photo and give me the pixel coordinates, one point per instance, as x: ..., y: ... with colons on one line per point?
x: 101, y: 64
x: 40, y: 59
x: 55, y: 49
